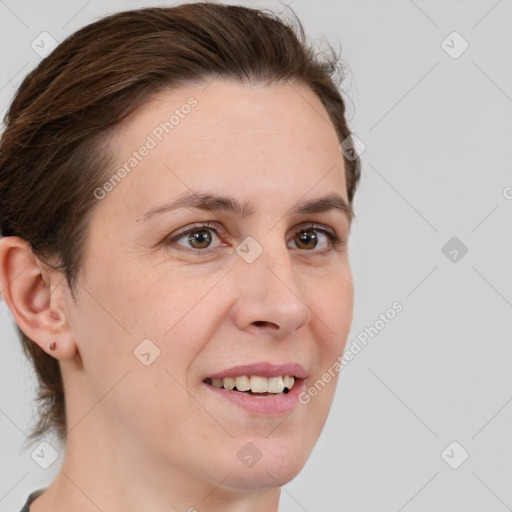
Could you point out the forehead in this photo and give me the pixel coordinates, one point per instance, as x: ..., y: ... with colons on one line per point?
x: 245, y: 139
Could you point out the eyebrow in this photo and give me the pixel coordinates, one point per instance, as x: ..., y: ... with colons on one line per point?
x: 216, y: 203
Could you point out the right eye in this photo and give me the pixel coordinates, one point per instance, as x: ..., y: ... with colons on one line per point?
x: 198, y: 236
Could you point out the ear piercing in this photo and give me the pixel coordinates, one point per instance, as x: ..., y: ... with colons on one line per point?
x: 53, y: 345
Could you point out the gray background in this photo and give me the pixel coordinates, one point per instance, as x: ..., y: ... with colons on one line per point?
x: 437, y: 132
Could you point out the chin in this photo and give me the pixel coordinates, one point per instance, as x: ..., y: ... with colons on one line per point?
x: 263, y: 477
x: 274, y: 463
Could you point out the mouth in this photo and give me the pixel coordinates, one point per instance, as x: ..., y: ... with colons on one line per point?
x: 255, y: 385
x: 261, y: 389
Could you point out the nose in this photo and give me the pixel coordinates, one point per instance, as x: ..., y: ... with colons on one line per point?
x: 270, y: 296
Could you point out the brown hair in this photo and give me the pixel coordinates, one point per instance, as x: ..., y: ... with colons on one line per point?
x: 53, y: 153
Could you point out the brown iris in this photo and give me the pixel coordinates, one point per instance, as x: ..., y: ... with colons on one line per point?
x: 203, y: 237
x: 305, y: 237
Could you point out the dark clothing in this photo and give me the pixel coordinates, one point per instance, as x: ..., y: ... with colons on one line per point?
x: 31, y: 498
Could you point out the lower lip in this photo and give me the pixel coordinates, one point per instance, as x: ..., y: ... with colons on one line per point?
x: 262, y: 405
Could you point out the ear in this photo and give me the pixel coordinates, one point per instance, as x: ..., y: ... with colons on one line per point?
x: 36, y: 297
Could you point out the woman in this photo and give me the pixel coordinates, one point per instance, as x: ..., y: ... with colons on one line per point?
x: 175, y: 212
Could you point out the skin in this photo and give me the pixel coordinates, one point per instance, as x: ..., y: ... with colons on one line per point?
x: 152, y: 437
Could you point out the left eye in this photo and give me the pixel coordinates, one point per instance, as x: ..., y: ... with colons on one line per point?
x: 199, y: 237
x: 308, y: 238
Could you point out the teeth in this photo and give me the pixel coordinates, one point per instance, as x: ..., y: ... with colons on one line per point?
x: 276, y: 385
x: 229, y: 383
x: 217, y: 383
x: 243, y: 383
x: 255, y: 383
x: 288, y: 382
x: 259, y: 384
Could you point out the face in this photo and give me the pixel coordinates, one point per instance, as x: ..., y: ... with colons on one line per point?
x: 175, y: 303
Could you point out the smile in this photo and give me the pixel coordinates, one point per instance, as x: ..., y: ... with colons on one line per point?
x: 255, y: 385
x: 261, y: 389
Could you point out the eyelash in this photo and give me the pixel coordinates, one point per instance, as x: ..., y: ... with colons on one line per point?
x: 335, y: 241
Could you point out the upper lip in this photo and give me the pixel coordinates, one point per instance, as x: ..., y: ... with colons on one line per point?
x: 262, y: 369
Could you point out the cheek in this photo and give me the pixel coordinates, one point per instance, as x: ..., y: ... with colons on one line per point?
x: 152, y: 409
x: 122, y: 307
x: 332, y: 305
x: 161, y: 298
x: 333, y: 309
x: 103, y: 341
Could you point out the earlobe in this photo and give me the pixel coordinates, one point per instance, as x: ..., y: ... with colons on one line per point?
x: 64, y: 348
x: 34, y: 298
